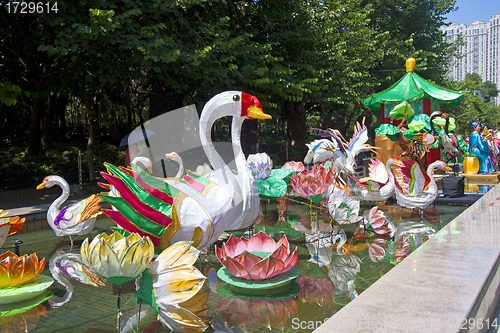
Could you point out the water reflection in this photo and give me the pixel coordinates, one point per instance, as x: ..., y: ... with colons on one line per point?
x: 343, y: 273
x: 250, y: 314
x: 336, y: 263
x: 409, y: 236
x: 66, y: 265
x: 315, y: 290
x: 23, y: 316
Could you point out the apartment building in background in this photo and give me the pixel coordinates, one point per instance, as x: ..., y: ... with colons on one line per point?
x: 481, y: 50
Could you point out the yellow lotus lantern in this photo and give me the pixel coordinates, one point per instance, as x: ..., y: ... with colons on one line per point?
x: 178, y: 288
x: 118, y: 258
x: 15, y: 271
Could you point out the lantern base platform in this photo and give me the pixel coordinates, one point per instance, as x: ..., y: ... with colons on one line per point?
x: 17, y: 308
x: 483, y: 178
x: 276, y: 285
x: 226, y: 290
x: 26, y: 291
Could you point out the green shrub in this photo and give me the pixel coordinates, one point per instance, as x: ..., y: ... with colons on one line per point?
x: 20, y: 172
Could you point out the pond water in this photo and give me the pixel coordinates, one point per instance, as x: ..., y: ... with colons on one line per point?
x: 330, y: 275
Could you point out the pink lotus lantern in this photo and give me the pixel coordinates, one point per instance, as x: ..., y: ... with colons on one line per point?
x: 257, y: 258
x: 313, y: 183
x: 377, y: 223
x: 293, y: 165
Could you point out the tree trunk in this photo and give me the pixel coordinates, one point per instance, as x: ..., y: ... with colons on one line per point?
x: 128, y: 106
x: 35, y: 136
x: 49, y: 128
x: 60, y: 113
x: 296, y: 122
x: 38, y: 107
x: 91, y: 140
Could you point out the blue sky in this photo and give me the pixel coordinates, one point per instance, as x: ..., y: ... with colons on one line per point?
x: 471, y: 10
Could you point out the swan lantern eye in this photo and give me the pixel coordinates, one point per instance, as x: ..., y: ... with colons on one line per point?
x: 236, y: 98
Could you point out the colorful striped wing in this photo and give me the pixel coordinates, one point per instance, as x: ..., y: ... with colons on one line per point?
x: 414, y: 178
x: 198, y: 182
x: 76, y: 213
x: 145, y: 202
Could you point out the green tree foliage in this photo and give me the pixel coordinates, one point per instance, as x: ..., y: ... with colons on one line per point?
x: 473, y: 107
x: 413, y: 29
x: 95, y: 64
x: 489, y: 90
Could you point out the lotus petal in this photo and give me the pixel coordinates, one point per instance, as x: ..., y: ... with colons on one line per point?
x: 132, y: 262
x: 109, y: 259
x: 267, y: 268
x: 285, y: 243
x: 236, y: 268
x: 181, y: 253
x: 177, y: 284
x: 198, y: 303
x: 281, y: 253
x: 179, y: 319
x: 261, y: 242
x: 248, y: 260
x: 291, y: 260
x: 221, y: 255
x: 234, y: 246
x: 299, y: 166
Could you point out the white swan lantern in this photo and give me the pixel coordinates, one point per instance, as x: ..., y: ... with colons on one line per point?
x: 73, y: 220
x: 171, y: 210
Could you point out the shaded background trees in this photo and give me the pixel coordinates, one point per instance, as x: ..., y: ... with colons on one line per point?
x: 88, y: 74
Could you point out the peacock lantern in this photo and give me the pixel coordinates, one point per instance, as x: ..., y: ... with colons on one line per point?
x: 344, y: 153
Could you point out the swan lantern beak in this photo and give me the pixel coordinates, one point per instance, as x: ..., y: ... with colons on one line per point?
x: 39, y: 187
x: 256, y: 113
x: 447, y: 169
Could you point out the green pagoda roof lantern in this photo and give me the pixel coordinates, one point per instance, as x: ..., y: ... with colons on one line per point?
x: 412, y: 87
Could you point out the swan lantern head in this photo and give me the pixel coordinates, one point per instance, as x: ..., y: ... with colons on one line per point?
x: 50, y: 181
x: 250, y: 106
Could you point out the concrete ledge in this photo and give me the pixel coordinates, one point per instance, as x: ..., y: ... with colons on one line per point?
x: 449, y: 284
